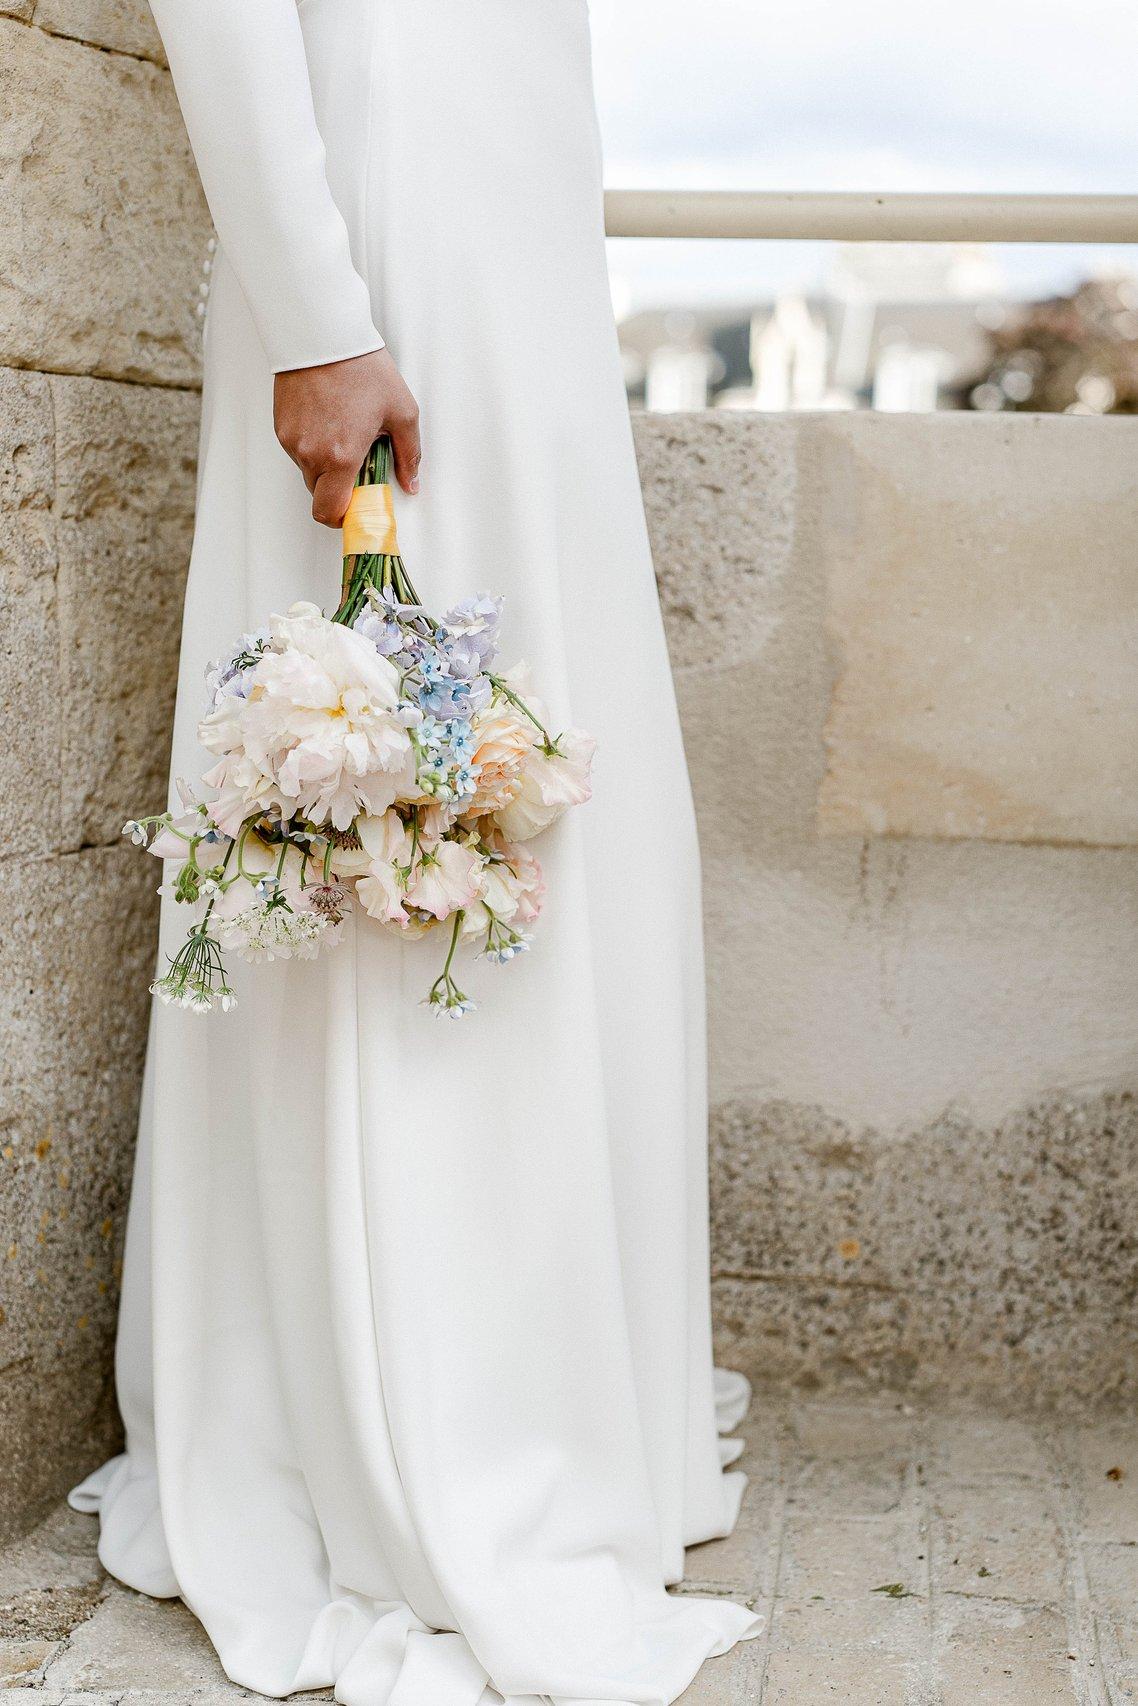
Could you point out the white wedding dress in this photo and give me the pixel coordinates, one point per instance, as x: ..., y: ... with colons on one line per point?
x: 414, y: 1356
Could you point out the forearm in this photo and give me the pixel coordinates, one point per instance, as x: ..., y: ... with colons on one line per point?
x: 242, y: 79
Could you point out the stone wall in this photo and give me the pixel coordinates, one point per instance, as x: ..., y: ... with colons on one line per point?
x: 907, y: 658
x: 102, y: 240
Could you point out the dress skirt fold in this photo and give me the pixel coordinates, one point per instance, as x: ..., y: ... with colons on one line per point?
x: 415, y: 1356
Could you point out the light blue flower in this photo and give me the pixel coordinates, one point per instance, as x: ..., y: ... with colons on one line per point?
x: 386, y: 636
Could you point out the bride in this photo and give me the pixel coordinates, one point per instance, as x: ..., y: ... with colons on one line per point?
x: 414, y: 1354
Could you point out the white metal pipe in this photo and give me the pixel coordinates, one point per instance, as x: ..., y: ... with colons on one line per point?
x: 873, y: 217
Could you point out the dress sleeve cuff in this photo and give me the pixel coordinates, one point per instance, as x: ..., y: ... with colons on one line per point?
x: 328, y: 353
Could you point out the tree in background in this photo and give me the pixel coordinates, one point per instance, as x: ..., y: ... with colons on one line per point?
x: 1073, y: 355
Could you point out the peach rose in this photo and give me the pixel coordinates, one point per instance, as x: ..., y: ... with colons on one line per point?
x: 504, y: 738
x: 550, y: 784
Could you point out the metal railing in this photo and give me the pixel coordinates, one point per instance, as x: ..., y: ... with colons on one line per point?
x: 872, y: 217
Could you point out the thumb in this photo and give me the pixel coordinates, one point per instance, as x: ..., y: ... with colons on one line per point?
x: 331, y: 496
x: 408, y: 452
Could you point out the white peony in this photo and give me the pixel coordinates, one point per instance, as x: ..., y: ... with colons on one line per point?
x: 318, y: 730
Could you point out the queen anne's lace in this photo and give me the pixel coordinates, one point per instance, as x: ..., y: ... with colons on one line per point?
x: 267, y: 932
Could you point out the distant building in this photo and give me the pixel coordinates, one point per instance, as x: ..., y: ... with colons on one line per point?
x: 898, y: 327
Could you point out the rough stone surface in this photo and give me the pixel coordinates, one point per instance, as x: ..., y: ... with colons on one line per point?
x: 988, y: 669
x: 96, y: 483
x: 104, y: 226
x: 29, y: 705
x: 719, y: 555
x: 75, y: 959
x: 125, y: 458
x: 922, y: 1051
x: 51, y: 1579
x: 125, y: 26
x: 1009, y: 1254
x: 916, y: 1553
x: 135, y: 1642
x: 101, y: 243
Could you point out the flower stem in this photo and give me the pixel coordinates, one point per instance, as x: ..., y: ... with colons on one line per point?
x: 373, y: 569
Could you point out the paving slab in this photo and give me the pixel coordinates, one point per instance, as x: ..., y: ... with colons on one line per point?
x: 133, y: 1642
x: 1005, y: 1655
x: 999, y: 1541
x: 860, y: 1679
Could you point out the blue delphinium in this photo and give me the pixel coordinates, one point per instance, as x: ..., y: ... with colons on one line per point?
x: 228, y: 678
x: 444, y: 682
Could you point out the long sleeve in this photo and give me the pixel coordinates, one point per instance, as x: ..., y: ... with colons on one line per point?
x: 242, y: 80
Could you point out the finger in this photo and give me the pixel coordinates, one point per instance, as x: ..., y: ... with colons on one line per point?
x: 301, y: 450
x: 331, y: 496
x: 408, y: 451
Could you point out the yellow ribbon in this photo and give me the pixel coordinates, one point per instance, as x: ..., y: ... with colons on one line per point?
x: 369, y: 525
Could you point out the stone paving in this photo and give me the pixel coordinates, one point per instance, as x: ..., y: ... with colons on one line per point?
x: 902, y: 1555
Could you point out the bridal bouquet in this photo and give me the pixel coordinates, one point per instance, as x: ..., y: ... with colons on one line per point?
x: 374, y: 758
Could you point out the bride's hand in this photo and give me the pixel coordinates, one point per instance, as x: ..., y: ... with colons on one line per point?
x: 328, y: 417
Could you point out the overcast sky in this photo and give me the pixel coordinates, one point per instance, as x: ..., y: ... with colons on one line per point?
x: 881, y: 94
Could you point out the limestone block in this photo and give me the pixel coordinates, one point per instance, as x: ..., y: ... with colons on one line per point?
x: 124, y: 474
x: 872, y: 1486
x: 947, y: 1208
x: 137, y: 1643
x: 841, y: 1558
x: 972, y: 1448
x: 1005, y: 1656
x: 999, y: 1541
x: 721, y: 509
x: 855, y: 1461
x: 50, y: 1580
x: 1112, y: 1575
x: 105, y: 226
x: 17, y: 9
x: 75, y: 959
x: 877, y: 1623
x: 29, y: 646
x: 857, y: 1679
x: 851, y: 1435
x: 983, y: 608
x: 126, y: 26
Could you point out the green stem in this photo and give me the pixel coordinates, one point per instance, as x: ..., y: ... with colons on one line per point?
x: 500, y: 686
x: 454, y: 935
x: 369, y: 569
